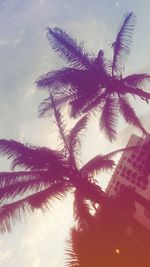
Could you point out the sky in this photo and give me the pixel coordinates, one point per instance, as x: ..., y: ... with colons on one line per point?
x: 25, y: 54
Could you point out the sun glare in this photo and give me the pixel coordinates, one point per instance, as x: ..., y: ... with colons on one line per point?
x: 117, y: 250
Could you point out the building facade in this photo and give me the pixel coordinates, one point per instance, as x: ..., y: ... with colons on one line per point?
x: 133, y: 171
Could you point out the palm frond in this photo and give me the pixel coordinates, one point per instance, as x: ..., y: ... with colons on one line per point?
x: 108, y: 118
x: 96, y: 102
x: 22, y: 187
x: 77, y: 106
x: 8, y: 178
x: 71, y: 250
x: 89, y: 189
x: 66, y: 81
x: 79, y: 87
x: 84, y: 103
x: 129, y: 114
x: 99, y: 61
x: 30, y: 157
x: 81, y: 211
x: 97, y: 164
x: 76, y: 130
x: 68, y: 48
x: 135, y: 92
x: 46, y: 106
x: 123, y: 42
x: 103, y: 162
x: 10, y: 213
x: 91, y: 105
x: 40, y: 200
x: 74, y: 137
x: 137, y: 80
x: 62, y: 81
x: 102, y: 65
x: 124, y: 149
x: 61, y: 124
x: 71, y: 85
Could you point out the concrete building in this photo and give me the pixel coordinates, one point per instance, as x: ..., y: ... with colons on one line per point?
x: 133, y: 171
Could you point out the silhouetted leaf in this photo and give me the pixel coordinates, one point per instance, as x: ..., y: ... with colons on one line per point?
x: 124, y: 149
x: 10, y: 213
x: 67, y: 80
x: 102, y: 64
x: 137, y: 80
x: 71, y: 250
x: 68, y: 48
x: 89, y: 189
x: 41, y: 199
x: 61, y: 124
x: 30, y: 157
x: 81, y: 213
x: 46, y: 106
x: 129, y: 114
x: 61, y: 81
x: 80, y: 87
x: 108, y: 118
x: 78, y: 127
x: 97, y: 164
x: 22, y: 187
x: 123, y: 43
x: 7, y: 178
x: 74, y: 137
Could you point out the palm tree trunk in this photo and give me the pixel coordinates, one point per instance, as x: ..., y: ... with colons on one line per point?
x: 59, y: 124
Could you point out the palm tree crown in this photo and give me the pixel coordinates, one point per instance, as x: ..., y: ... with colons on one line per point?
x: 45, y: 174
x: 93, y: 82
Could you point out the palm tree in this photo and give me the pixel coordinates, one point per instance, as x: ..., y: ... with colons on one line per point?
x: 93, y: 83
x: 45, y: 174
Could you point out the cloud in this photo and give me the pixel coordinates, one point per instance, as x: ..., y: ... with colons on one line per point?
x: 39, y: 240
x: 43, y: 239
x: 5, y: 255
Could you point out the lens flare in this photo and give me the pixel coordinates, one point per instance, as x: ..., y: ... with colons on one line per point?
x: 117, y: 250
